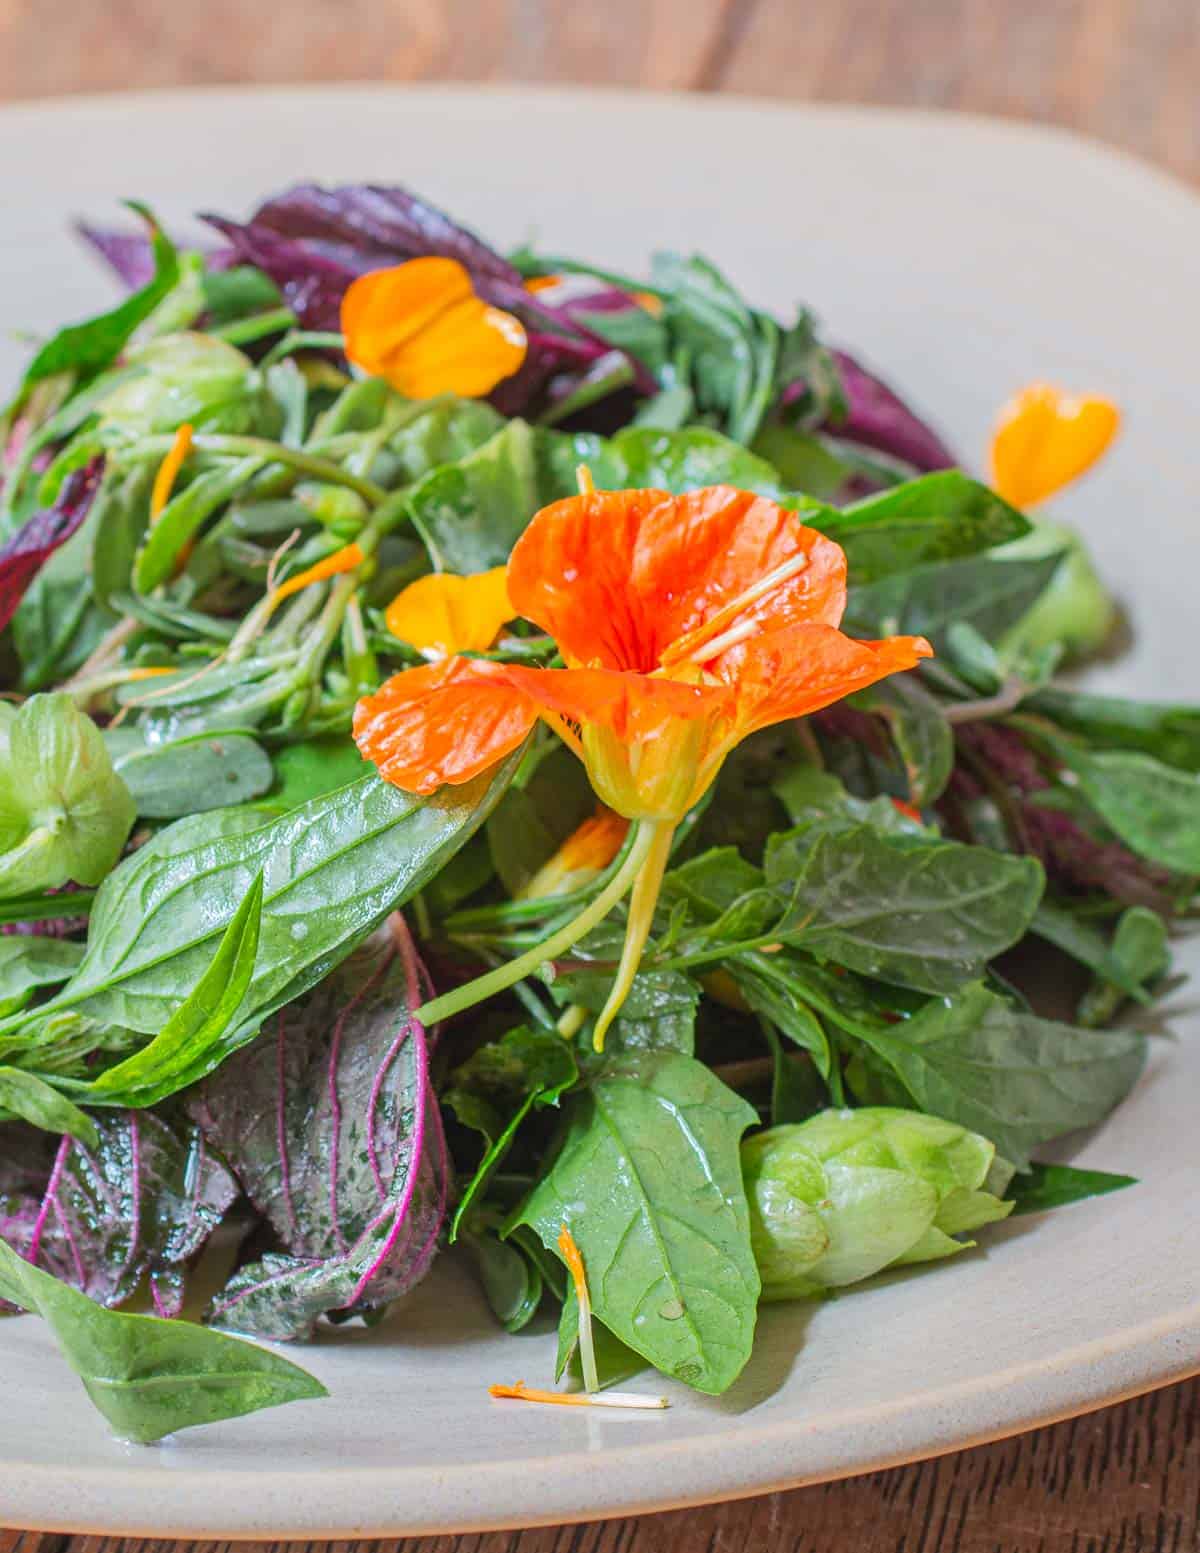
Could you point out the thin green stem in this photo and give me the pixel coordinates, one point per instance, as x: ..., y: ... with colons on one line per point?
x: 243, y: 330
x: 504, y: 976
x: 641, y: 919
x: 273, y: 453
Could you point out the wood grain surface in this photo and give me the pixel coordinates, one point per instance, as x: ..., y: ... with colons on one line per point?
x: 1126, y: 1480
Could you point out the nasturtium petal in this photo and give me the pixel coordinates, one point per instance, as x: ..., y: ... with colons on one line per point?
x: 1045, y: 438
x: 444, y: 614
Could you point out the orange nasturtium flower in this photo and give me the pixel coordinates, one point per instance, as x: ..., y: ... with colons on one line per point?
x: 1044, y: 438
x: 421, y: 326
x: 444, y: 614
x: 686, y: 623
x: 582, y: 857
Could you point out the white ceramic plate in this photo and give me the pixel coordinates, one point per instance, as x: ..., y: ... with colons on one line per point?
x: 961, y: 257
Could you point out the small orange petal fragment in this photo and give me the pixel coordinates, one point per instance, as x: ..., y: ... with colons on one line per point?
x: 908, y: 810
x: 523, y: 1393
x: 1044, y: 438
x: 582, y: 857
x: 343, y: 560
x: 649, y: 301
x: 421, y: 326
x: 537, y: 283
x: 444, y: 614
x: 168, y: 471
x: 138, y: 674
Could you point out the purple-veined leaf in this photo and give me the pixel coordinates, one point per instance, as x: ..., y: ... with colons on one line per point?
x: 330, y: 1122
x: 24, y: 554
x: 142, y: 1204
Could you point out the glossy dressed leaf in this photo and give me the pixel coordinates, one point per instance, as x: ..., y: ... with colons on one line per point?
x: 939, y: 517
x: 648, y: 1180
x: 151, y: 1377
x: 64, y: 813
x: 332, y: 870
x: 182, y: 1049
x: 989, y: 593
x: 922, y: 736
x: 679, y: 461
x: 314, y: 767
x: 924, y: 914
x: 140, y: 1201
x: 29, y: 1097
x: 28, y: 962
x: 1054, y: 1186
x: 1014, y: 1078
x: 187, y: 776
x: 330, y: 1123
x: 1153, y: 808
x: 659, y: 1011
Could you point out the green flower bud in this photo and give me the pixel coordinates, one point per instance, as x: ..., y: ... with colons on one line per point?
x: 64, y: 812
x: 192, y: 378
x: 845, y: 1194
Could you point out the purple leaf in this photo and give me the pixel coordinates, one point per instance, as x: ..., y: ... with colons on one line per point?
x: 143, y: 1204
x: 878, y: 418
x: 312, y: 282
x: 129, y: 255
x: 27, y: 551
x: 330, y: 1122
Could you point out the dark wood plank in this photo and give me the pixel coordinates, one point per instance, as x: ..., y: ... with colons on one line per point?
x: 1126, y: 1480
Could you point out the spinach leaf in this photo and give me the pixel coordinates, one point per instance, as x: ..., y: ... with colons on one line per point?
x: 139, y: 1202
x: 1054, y: 1186
x: 648, y: 1179
x: 181, y: 1051
x: 659, y: 1011
x: 64, y: 813
x: 442, y: 432
x: 922, y: 736
x: 1153, y: 808
x: 332, y: 871
x: 678, y: 461
x: 332, y: 1127
x: 924, y: 914
x: 190, y: 775
x: 989, y: 593
x: 940, y: 517
x: 512, y: 1280
x: 313, y: 768
x: 1017, y: 1079
x: 1083, y: 941
x: 151, y: 1377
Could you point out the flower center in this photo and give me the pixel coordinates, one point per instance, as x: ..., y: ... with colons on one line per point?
x: 711, y: 637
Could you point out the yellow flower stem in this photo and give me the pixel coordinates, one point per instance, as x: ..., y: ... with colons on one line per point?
x: 641, y: 917
x: 504, y: 976
x: 571, y: 1020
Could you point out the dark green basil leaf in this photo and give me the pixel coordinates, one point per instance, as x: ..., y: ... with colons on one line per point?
x: 1017, y: 1079
x: 1054, y: 1186
x: 1153, y: 808
x: 990, y: 593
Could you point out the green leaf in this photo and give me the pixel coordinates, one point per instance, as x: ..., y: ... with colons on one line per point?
x: 922, y: 736
x: 778, y: 997
x: 150, y: 1377
x: 537, y: 1062
x: 1170, y: 733
x: 1054, y: 1186
x: 313, y: 768
x: 679, y: 461
x: 512, y: 1280
x: 1141, y: 955
x: 182, y: 518
x: 924, y: 914
x: 180, y: 1052
x: 1017, y: 1079
x: 989, y: 593
x: 648, y: 1179
x: 122, y: 511
x: 33, y: 1100
x: 940, y: 517
x: 89, y: 347
x: 64, y: 813
x: 1153, y: 808
x: 332, y: 871
x: 29, y: 963
x: 190, y: 775
x: 614, y: 1361
x: 1083, y: 941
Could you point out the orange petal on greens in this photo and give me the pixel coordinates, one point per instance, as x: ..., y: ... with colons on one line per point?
x: 636, y: 707
x: 802, y: 668
x: 1045, y: 438
x: 444, y: 723
x: 617, y: 577
x: 421, y: 326
x: 446, y: 614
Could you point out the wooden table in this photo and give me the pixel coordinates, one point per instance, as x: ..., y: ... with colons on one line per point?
x: 1123, y: 1481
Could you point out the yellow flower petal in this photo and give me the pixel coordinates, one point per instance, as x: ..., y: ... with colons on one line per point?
x: 1044, y: 438
x: 421, y: 326
x: 444, y: 614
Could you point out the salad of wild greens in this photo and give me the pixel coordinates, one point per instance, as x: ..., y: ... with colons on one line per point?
x: 504, y: 759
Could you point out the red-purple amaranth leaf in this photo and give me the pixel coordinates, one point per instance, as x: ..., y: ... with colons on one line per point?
x: 330, y: 1122
x: 24, y: 554
x: 876, y: 417
x: 143, y: 1204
